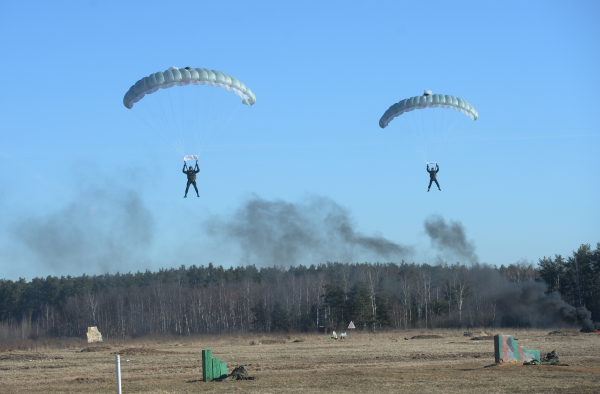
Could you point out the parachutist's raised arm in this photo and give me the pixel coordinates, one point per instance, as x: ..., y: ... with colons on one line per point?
x: 183, y: 167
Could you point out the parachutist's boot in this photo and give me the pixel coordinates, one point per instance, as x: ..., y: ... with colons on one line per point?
x: 427, y: 190
x: 198, y: 195
x: 185, y: 196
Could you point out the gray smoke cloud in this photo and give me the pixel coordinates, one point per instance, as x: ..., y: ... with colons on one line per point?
x: 106, y: 226
x: 528, y: 303
x: 525, y: 303
x: 284, y: 233
x: 449, y: 239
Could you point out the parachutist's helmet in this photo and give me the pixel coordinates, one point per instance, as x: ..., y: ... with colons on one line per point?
x: 427, y: 93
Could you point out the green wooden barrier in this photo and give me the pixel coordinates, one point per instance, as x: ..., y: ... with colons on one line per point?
x: 216, y: 368
x: 212, y: 367
x: 207, y: 374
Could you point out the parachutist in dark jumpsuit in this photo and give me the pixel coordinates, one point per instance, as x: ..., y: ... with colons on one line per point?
x: 191, y: 178
x: 433, y: 176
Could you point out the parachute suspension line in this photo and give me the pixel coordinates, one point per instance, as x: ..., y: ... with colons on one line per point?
x: 207, y: 111
x: 424, y: 133
x: 220, y: 108
x: 174, y: 130
x: 410, y: 126
x: 416, y: 135
x: 446, y: 137
x: 419, y: 137
x: 152, y: 113
x: 165, y: 117
x: 181, y: 97
x: 441, y: 132
x: 452, y: 137
x: 414, y: 142
x: 168, y: 130
x: 435, y: 133
x: 175, y: 120
x: 157, y: 133
x: 208, y: 114
x: 195, y: 127
x: 228, y: 122
x: 419, y: 133
x: 197, y: 112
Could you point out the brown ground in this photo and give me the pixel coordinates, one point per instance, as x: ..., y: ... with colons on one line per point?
x: 369, y: 363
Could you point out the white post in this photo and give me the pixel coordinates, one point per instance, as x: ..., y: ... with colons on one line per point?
x: 118, y: 362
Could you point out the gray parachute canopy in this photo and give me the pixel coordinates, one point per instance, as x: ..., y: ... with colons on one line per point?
x: 185, y: 76
x: 427, y: 101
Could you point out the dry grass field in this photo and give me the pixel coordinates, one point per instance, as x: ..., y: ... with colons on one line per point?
x: 364, y: 363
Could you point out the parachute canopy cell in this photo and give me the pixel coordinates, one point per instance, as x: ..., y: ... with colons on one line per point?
x: 427, y: 101
x: 185, y: 76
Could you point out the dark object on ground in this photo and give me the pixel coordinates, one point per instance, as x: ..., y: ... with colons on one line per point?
x: 96, y: 348
x: 240, y: 373
x: 427, y: 336
x: 551, y: 359
x: 564, y: 333
x: 486, y: 338
x: 594, y: 329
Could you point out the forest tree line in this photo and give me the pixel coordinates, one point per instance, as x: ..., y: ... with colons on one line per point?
x: 211, y: 300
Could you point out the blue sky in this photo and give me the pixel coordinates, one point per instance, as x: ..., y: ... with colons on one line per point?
x: 522, y: 179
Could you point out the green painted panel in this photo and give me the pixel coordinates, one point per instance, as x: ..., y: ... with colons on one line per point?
x: 216, y: 368
x: 223, y: 370
x: 207, y: 367
x: 506, y: 349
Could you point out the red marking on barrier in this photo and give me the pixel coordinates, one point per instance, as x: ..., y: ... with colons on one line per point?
x: 520, y: 353
x: 504, y: 348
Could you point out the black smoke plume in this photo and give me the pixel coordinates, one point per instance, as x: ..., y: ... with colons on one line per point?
x: 315, y: 230
x: 106, y: 226
x: 449, y: 239
x: 524, y: 304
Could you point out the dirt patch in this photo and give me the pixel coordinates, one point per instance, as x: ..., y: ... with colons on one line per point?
x: 479, y: 334
x: 91, y: 380
x: 133, y: 351
x: 451, y: 356
x: 272, y: 341
x: 5, y: 350
x: 23, y: 357
x: 564, y: 333
x: 427, y: 336
x: 96, y: 348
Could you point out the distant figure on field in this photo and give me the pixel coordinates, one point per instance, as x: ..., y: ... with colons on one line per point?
x: 191, y: 178
x: 433, y: 175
